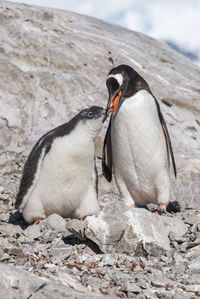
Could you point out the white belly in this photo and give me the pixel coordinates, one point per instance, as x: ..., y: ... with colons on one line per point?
x: 139, y: 149
x: 64, y: 179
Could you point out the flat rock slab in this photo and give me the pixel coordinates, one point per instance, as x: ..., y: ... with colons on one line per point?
x: 17, y: 283
x: 132, y: 231
x: 17, y: 279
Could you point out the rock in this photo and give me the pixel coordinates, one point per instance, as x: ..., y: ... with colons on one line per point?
x: 177, y: 257
x: 195, y: 265
x: 181, y: 239
x: 1, y: 189
x: 193, y: 279
x: 109, y: 259
x: 3, y: 217
x: 21, y: 284
x: 77, y: 227
x: 32, y: 232
x: 179, y: 268
x: 61, y: 251
x: 56, y: 222
x: 149, y: 294
x: 186, y: 183
x: 161, y: 282
x: 3, y: 256
x: 25, y: 283
x: 15, y: 251
x: 175, y: 225
x: 194, y: 228
x: 50, y: 267
x: 193, y: 253
x: 183, y: 248
x: 10, y: 230
x: 5, y: 244
x: 127, y: 286
x: 128, y: 231
x: 191, y: 217
x: 192, y: 288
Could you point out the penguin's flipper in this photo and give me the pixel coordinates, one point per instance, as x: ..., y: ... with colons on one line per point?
x: 107, y: 155
x: 167, y: 138
x: 32, y: 165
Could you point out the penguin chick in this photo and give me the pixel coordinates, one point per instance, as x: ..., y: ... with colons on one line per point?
x: 137, y: 145
x: 60, y: 173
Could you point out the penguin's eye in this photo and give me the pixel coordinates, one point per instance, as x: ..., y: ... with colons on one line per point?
x: 90, y: 114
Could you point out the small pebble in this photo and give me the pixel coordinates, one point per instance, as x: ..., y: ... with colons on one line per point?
x: 1, y: 189
x: 183, y: 248
x: 51, y: 268
x: 194, y: 228
x: 171, y: 236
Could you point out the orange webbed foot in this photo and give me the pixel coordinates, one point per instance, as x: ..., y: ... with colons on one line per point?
x: 84, y: 217
x: 132, y: 206
x: 37, y: 220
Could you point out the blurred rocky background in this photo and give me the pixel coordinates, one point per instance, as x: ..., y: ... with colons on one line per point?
x: 52, y: 64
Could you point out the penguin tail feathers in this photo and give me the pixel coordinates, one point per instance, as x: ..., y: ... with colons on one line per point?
x: 173, y: 207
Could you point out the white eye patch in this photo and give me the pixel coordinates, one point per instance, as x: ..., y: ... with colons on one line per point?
x: 117, y: 77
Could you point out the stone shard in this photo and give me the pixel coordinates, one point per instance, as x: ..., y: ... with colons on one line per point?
x: 17, y: 279
x: 132, y: 231
x: 56, y: 222
x: 77, y: 227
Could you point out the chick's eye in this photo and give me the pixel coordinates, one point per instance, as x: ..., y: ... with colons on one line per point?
x: 90, y: 113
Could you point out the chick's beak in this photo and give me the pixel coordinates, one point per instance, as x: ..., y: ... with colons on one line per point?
x: 115, y: 102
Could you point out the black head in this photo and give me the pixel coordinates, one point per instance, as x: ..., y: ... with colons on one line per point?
x: 92, y: 119
x: 93, y: 112
x: 123, y: 82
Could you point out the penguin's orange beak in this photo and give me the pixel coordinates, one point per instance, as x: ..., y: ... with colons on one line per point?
x: 115, y: 102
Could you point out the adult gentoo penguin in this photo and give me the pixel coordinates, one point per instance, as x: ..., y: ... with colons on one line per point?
x: 137, y: 144
x: 60, y: 174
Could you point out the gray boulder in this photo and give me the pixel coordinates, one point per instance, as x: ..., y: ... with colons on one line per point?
x: 17, y: 283
x: 131, y: 231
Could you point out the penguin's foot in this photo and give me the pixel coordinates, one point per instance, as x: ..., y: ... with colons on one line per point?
x: 38, y: 220
x: 161, y: 208
x: 84, y: 217
x: 132, y: 206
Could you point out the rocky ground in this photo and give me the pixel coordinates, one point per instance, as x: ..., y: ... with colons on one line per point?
x: 48, y: 261
x: 52, y: 64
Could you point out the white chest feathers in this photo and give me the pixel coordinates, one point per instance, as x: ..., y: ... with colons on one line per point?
x: 139, y: 149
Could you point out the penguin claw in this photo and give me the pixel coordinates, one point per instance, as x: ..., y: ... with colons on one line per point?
x: 161, y: 209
